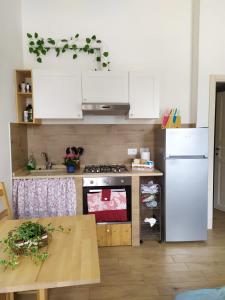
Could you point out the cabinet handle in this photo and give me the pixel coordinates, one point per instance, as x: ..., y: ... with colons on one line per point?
x: 107, y: 230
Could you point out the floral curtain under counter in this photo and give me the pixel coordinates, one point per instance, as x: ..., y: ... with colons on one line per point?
x: 48, y: 197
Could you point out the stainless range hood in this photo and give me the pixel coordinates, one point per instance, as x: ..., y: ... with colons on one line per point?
x: 105, y: 108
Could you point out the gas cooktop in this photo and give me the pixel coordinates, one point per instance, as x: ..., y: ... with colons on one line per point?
x: 105, y: 169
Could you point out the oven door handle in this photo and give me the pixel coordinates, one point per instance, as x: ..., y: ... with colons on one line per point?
x: 113, y: 190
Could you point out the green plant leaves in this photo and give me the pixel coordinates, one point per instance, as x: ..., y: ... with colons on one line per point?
x: 57, y: 51
x: 91, y: 51
x: 51, y: 41
x: 39, y: 47
x: 40, y: 42
x: 43, y: 51
x: 31, y: 235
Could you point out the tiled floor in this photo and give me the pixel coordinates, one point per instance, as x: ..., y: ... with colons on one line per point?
x: 155, y: 271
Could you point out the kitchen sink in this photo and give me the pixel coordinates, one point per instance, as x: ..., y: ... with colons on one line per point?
x: 47, y: 172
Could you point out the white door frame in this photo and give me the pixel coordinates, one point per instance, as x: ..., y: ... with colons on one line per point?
x: 212, y: 107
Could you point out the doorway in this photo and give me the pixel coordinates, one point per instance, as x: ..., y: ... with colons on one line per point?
x: 217, y: 85
x: 219, y: 149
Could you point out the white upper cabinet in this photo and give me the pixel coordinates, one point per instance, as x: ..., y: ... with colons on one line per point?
x: 143, y: 96
x: 105, y: 87
x: 57, y: 95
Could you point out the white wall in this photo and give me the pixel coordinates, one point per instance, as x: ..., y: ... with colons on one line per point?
x: 211, y: 52
x: 139, y: 34
x: 10, y: 59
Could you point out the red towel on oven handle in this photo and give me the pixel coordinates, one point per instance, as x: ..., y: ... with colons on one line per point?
x: 106, y: 194
x: 111, y: 215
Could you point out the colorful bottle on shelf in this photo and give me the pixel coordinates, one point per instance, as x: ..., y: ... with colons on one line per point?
x: 31, y: 164
x: 29, y: 109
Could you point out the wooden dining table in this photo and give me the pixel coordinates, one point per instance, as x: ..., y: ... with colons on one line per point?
x: 73, y: 258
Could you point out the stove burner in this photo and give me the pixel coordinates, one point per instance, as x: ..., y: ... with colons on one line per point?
x: 105, y: 169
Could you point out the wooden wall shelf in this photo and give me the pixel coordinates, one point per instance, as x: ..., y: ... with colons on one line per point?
x: 24, y: 98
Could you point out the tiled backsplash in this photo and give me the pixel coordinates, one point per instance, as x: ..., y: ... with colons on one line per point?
x: 102, y: 143
x: 19, y: 147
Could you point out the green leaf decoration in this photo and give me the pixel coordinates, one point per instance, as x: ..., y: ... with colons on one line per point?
x: 51, y: 41
x: 40, y: 46
x: 57, y: 51
x: 37, y: 52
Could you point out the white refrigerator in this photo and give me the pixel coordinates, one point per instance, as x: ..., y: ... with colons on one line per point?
x: 183, y: 157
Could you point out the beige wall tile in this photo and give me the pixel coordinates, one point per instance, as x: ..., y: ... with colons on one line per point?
x: 19, y: 146
x: 102, y: 143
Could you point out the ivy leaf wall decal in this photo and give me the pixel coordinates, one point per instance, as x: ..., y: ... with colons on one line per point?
x: 39, y: 47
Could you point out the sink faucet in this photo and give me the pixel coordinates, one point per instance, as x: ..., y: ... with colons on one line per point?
x: 48, y: 164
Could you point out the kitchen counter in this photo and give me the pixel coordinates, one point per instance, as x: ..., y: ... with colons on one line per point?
x: 78, y: 178
x: 25, y: 174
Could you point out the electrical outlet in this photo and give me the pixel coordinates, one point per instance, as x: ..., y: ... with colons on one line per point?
x: 132, y: 151
x: 144, y: 150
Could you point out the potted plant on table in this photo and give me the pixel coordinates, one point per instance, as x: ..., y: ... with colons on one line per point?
x: 27, y: 240
x: 72, y: 158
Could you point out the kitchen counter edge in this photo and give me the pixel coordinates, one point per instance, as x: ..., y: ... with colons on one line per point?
x: 24, y: 174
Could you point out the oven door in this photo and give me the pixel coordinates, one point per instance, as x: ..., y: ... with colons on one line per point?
x: 105, y: 211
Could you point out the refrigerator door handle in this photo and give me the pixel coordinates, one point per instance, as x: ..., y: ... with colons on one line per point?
x: 186, y: 157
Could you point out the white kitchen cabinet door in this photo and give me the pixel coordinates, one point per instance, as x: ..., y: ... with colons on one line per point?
x: 105, y: 87
x: 57, y: 95
x: 143, y: 96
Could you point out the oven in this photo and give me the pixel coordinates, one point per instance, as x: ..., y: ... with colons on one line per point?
x: 108, y: 198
